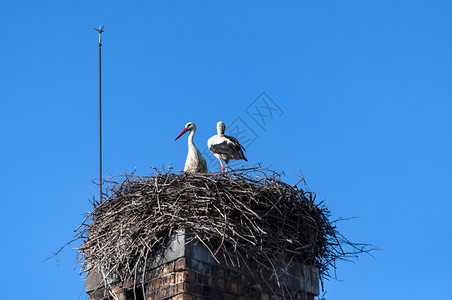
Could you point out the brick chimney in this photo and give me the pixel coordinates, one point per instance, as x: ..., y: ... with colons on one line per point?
x: 187, y: 270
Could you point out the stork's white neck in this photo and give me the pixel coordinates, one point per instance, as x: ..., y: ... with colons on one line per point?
x: 220, y: 128
x: 191, y: 144
x: 193, y: 152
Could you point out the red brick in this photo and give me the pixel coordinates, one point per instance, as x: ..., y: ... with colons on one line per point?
x: 180, y: 264
x: 210, y: 280
x: 190, y: 275
x: 220, y: 272
x: 188, y: 297
x: 98, y: 294
x: 301, y: 295
x: 195, y: 265
x: 179, y: 277
x: 150, y: 274
x: 229, y: 297
x: 236, y: 288
x: 207, y: 269
x: 164, y: 292
x: 227, y: 284
x: 167, y: 280
x: 232, y: 274
x: 216, y: 294
x: 185, y: 276
x: 155, y: 284
x: 195, y: 288
x: 205, y: 290
x: 200, y: 278
x: 169, y: 268
x: 180, y: 287
x: 152, y: 295
x: 245, y: 280
x: 172, y: 289
x: 220, y: 283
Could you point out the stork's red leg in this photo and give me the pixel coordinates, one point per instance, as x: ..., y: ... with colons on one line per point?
x: 222, y: 168
x: 226, y: 169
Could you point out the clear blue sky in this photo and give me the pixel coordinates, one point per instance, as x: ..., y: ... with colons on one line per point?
x: 364, y: 96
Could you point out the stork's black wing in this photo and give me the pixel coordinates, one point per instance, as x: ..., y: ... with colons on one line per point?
x: 238, y: 153
x: 228, y: 146
x: 235, y: 141
x: 221, y: 148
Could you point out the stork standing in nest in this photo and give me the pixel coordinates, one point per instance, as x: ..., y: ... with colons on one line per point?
x: 225, y: 147
x: 195, y: 162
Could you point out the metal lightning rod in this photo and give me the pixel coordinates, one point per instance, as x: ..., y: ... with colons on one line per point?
x: 100, y: 30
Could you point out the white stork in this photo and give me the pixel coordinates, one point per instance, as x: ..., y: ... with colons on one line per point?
x: 195, y: 162
x: 225, y: 147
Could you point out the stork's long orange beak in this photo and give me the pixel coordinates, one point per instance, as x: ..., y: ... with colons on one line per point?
x: 181, y: 133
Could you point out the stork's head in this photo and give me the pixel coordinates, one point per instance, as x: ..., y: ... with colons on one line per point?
x: 190, y: 126
x: 221, y: 127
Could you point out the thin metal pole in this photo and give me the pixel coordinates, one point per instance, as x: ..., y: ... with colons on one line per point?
x: 100, y: 122
x: 100, y: 30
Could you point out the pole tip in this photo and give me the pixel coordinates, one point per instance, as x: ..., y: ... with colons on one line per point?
x: 100, y: 30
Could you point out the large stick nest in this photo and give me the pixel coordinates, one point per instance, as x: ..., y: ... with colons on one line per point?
x: 246, y: 216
